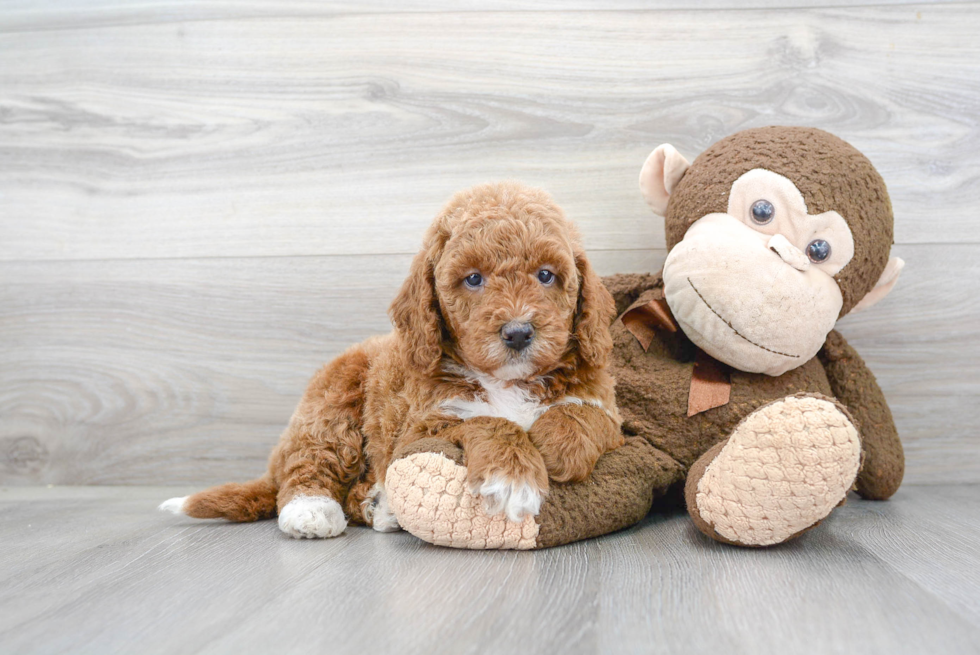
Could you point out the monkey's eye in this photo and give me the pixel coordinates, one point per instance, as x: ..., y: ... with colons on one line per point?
x: 762, y: 211
x: 818, y: 251
x: 546, y: 277
x: 473, y: 280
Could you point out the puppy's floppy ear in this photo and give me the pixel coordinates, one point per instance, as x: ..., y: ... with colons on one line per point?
x: 595, y: 312
x: 415, y: 311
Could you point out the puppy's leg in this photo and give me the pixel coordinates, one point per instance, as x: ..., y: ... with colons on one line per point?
x: 572, y: 437
x: 312, y: 517
x: 377, y: 511
x: 503, y: 465
x: 367, y: 504
x: 321, y: 453
x: 308, y: 500
x: 315, y: 470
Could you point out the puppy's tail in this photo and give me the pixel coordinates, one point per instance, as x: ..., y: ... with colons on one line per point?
x: 249, y: 501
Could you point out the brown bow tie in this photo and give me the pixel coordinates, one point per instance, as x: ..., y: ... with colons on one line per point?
x: 710, y: 381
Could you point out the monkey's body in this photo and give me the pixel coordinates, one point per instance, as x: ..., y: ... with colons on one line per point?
x: 653, y: 387
x: 772, y: 235
x: 659, y: 380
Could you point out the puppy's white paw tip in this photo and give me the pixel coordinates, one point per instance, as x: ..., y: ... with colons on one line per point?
x: 173, y: 505
x: 516, y: 499
x: 312, y: 517
x: 524, y: 500
x: 377, y: 511
x: 389, y: 524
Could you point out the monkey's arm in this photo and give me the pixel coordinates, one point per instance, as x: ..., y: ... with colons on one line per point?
x: 427, y: 493
x: 627, y: 287
x: 855, y: 386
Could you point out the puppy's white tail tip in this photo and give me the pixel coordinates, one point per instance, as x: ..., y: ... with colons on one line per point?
x: 174, y: 505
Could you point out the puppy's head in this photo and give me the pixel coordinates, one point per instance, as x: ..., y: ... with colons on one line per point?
x: 503, y: 287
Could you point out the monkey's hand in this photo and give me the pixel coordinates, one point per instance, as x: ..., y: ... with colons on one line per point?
x: 855, y: 386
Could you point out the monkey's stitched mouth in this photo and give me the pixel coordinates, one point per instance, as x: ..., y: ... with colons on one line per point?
x: 732, y: 327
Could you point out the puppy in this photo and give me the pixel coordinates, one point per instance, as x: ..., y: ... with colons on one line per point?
x: 500, y: 346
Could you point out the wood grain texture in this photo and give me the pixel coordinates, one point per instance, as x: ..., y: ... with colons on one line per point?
x: 150, y: 372
x: 36, y: 15
x: 99, y: 570
x: 344, y: 133
x: 201, y: 202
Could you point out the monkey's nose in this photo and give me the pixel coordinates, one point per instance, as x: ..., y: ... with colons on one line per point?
x: 788, y: 252
x: 517, y: 336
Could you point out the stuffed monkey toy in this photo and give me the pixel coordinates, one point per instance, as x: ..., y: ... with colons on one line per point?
x: 732, y: 383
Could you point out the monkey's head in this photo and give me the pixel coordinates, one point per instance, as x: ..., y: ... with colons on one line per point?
x: 773, y: 234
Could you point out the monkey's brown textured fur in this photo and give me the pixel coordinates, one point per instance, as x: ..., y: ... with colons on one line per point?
x: 664, y: 447
x: 652, y: 390
x: 382, y: 397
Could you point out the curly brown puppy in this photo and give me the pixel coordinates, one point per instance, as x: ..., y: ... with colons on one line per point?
x: 500, y: 345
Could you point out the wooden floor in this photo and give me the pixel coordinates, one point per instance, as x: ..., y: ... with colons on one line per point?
x: 99, y: 570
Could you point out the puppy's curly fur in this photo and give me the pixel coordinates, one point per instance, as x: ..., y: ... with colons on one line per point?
x: 496, y: 256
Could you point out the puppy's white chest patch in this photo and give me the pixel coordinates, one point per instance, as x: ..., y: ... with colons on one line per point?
x: 499, y: 400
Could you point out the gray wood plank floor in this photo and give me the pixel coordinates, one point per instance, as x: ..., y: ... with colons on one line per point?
x: 99, y: 570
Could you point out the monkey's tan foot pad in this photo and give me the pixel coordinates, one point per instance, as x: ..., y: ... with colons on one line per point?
x: 430, y: 498
x: 785, y: 467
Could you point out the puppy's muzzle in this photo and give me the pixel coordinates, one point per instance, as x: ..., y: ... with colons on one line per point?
x: 517, y: 336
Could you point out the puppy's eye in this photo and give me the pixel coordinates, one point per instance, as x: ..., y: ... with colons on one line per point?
x: 546, y: 277
x: 473, y: 280
x: 818, y: 251
x: 762, y: 211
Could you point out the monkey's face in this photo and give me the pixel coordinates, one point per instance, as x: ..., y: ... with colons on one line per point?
x: 774, y: 233
x: 754, y: 287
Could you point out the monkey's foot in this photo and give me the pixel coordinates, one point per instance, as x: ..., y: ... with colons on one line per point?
x: 427, y: 492
x: 785, y: 467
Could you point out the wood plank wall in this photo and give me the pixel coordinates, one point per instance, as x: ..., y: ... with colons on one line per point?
x: 201, y: 201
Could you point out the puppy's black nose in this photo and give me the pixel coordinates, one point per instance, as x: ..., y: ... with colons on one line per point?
x: 517, y: 336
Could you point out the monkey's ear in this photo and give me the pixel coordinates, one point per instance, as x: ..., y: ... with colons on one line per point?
x: 661, y: 172
x: 884, y: 285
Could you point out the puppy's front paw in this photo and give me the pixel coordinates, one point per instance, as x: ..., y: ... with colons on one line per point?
x: 312, y: 517
x: 570, y: 459
x: 572, y: 437
x: 377, y: 512
x: 505, y: 468
x: 514, y: 483
x: 516, y: 498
